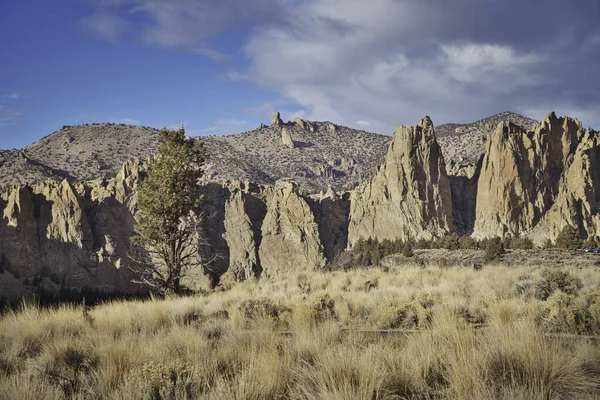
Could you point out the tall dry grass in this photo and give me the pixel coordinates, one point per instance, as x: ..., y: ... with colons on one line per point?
x: 433, y: 333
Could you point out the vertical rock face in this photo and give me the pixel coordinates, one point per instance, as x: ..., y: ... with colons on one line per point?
x: 244, y: 214
x: 286, y: 138
x: 577, y: 203
x: 290, y: 234
x: 332, y: 211
x: 463, y: 185
x: 542, y: 175
x: 410, y: 195
x: 78, y: 235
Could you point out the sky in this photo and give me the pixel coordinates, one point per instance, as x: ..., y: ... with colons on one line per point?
x: 225, y: 66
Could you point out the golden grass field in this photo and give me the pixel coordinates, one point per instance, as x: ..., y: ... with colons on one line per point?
x: 393, y: 333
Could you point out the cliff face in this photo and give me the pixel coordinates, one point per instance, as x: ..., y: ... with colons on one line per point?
x: 546, y: 175
x: 528, y: 183
x: 290, y: 234
x: 76, y: 235
x: 410, y: 197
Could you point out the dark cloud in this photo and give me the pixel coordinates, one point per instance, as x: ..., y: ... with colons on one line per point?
x: 378, y: 63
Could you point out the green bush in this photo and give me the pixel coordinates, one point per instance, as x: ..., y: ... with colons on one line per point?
x: 467, y: 242
x: 494, y: 249
x: 568, y: 238
x: 407, y: 250
x: 450, y: 242
x: 523, y: 243
x: 553, y: 280
x: 366, y: 253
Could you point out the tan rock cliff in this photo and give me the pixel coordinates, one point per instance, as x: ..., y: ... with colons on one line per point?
x: 410, y: 195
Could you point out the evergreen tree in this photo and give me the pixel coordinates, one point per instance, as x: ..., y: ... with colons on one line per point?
x: 169, y: 203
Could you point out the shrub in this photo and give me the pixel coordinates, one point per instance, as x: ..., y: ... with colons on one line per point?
x: 561, y: 314
x: 568, y: 238
x: 407, y: 250
x: 523, y: 243
x: 507, y: 241
x: 256, y: 308
x: 467, y: 242
x: 450, y: 242
x: 399, y: 316
x: 494, y: 249
x: 423, y: 244
x: 552, y: 280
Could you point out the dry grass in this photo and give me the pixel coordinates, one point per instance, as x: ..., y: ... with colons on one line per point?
x: 450, y: 333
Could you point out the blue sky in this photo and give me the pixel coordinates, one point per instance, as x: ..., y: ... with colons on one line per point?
x: 224, y: 66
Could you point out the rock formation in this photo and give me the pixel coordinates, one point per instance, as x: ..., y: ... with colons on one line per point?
x: 545, y: 176
x: 78, y: 235
x: 409, y: 197
x: 276, y: 120
x: 286, y: 138
x: 332, y: 211
x: 245, y: 211
x: 290, y: 234
x: 463, y: 185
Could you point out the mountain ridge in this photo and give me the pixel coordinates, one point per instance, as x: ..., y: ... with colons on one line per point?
x: 322, y: 154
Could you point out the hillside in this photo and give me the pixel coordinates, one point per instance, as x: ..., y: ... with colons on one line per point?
x: 466, y: 142
x: 321, y: 153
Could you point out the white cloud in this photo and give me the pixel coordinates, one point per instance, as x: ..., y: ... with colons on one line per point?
x: 384, y: 62
x: 104, y: 25
x: 346, y: 61
x: 14, y: 96
x: 128, y: 121
x: 496, y: 66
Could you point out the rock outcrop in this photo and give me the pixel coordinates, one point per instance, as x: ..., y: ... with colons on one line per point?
x: 245, y: 211
x: 276, y: 120
x: 409, y: 198
x: 290, y: 234
x: 286, y: 138
x: 544, y: 177
x: 332, y: 211
x: 76, y: 235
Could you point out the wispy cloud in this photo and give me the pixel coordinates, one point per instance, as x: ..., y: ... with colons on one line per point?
x: 105, y: 25
x: 8, y: 117
x: 14, y: 96
x: 187, y: 25
x: 128, y: 121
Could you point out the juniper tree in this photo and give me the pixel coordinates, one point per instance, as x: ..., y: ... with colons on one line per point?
x: 169, y: 211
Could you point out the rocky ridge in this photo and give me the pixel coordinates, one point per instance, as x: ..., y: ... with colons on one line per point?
x: 529, y: 182
x: 409, y: 197
x: 538, y: 181
x: 315, y: 154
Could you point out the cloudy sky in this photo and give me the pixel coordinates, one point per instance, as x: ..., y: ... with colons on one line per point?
x: 224, y: 66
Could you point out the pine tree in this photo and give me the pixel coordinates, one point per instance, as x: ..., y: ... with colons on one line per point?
x: 169, y: 202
